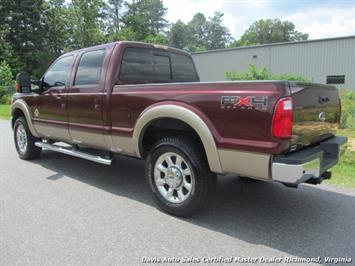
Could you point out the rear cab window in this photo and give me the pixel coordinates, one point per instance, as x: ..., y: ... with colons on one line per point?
x: 149, y: 65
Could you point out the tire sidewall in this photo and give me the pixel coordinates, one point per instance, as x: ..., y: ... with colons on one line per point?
x: 21, y: 121
x: 196, y: 193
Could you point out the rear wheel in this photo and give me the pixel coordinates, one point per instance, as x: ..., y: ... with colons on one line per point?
x: 25, y: 141
x: 179, y: 176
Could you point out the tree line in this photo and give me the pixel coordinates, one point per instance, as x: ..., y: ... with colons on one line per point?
x: 35, y: 32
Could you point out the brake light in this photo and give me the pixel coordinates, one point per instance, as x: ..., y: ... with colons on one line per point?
x: 282, y: 119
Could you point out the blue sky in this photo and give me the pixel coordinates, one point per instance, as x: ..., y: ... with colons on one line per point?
x: 320, y: 19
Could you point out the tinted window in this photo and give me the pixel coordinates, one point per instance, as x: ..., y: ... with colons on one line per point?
x: 137, y: 65
x: 142, y: 65
x: 162, y: 68
x: 183, y: 68
x: 58, y: 73
x: 89, y: 70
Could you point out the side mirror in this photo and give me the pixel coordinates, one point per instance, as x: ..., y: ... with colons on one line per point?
x: 23, y: 82
x: 38, y: 86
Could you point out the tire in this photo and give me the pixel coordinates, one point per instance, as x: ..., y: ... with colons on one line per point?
x: 181, y: 186
x: 25, y: 141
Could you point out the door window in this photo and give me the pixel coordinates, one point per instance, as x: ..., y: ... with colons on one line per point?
x: 58, y: 73
x: 89, y: 70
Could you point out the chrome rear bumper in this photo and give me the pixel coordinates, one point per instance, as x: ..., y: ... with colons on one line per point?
x: 310, y: 164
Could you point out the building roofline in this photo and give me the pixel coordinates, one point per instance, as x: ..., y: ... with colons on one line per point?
x: 274, y: 44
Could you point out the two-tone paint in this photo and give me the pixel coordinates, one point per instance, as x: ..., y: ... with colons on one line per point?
x: 113, y: 116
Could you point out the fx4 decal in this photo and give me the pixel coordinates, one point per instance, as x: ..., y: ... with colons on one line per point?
x: 244, y: 102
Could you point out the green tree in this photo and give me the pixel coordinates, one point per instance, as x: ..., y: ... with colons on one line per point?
x: 145, y: 18
x: 157, y: 39
x: 6, y: 82
x: 56, y: 26
x: 270, y: 31
x: 86, y: 20
x: 55, y: 34
x: 21, y: 23
x: 6, y: 77
x: 197, y: 28
x: 179, y: 35
x: 125, y: 34
x: 200, y: 33
x: 113, y: 11
x: 7, y: 52
x: 217, y: 34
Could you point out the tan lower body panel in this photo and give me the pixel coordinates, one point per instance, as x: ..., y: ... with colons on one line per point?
x: 91, y: 139
x: 52, y: 131
x: 117, y: 144
x: 249, y: 164
x: 123, y: 145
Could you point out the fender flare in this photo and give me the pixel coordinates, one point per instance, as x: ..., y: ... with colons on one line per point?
x: 185, y: 115
x: 21, y: 105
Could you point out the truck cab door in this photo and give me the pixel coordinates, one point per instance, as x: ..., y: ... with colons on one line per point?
x: 49, y: 111
x: 85, y: 100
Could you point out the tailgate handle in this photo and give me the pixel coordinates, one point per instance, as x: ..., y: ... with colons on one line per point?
x: 323, y: 99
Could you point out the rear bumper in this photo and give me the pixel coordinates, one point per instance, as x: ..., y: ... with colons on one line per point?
x: 308, y: 165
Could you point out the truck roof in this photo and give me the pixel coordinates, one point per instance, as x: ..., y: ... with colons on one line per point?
x: 133, y: 43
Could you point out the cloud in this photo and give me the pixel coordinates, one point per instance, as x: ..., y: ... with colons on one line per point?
x: 325, y: 22
x: 320, y: 19
x: 186, y: 9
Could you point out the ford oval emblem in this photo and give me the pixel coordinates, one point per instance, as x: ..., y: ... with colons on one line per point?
x: 321, y: 116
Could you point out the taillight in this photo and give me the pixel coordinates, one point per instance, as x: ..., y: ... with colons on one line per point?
x: 282, y: 119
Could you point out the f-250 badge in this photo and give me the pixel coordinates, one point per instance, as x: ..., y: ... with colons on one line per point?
x: 244, y: 102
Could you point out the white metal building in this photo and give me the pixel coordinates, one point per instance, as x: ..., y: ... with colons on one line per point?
x: 327, y: 61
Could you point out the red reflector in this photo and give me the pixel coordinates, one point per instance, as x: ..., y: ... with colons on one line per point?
x: 282, y: 120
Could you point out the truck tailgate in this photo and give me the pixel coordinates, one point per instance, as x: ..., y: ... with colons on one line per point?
x: 316, y: 113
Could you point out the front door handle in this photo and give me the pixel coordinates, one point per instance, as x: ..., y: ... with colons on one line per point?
x: 97, y: 107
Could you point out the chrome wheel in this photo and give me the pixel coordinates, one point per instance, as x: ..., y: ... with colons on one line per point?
x: 173, y: 177
x: 21, y: 138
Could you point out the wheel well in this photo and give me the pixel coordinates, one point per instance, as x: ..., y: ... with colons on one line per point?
x: 166, y: 127
x: 16, y: 114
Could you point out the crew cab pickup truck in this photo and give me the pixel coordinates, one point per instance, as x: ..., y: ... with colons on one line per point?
x: 146, y: 101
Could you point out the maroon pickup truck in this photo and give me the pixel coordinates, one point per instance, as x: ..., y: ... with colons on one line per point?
x: 146, y: 101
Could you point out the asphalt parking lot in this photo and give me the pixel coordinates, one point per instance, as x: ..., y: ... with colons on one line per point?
x: 60, y: 210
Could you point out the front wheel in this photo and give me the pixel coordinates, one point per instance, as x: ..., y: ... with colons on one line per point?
x: 179, y: 176
x: 25, y: 141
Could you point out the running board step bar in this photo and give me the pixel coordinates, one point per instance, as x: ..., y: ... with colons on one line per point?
x: 74, y: 152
